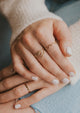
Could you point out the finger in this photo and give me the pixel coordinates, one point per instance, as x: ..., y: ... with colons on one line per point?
x: 63, y: 35
x: 6, y: 72
x: 39, y: 95
x: 35, y: 66
x: 20, y: 68
x: 24, y: 103
x: 54, y: 51
x: 61, y: 60
x: 20, y: 91
x: 41, y: 55
x: 11, y: 82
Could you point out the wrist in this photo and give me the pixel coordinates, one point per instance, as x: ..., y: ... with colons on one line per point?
x: 22, y: 13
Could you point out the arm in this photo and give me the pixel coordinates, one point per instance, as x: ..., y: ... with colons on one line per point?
x: 39, y: 35
x: 22, y: 13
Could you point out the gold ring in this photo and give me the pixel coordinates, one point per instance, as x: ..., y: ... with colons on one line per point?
x: 40, y: 53
x: 27, y: 87
x: 49, y: 45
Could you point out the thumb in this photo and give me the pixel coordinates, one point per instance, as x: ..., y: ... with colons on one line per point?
x: 63, y: 35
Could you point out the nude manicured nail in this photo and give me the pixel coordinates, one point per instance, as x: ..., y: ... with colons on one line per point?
x: 69, y: 51
x: 71, y: 74
x: 55, y: 82
x: 17, y: 106
x: 65, y: 80
x: 35, y: 78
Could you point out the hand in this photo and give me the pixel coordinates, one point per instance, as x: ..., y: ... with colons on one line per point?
x: 14, y: 87
x: 37, y: 49
x: 8, y: 108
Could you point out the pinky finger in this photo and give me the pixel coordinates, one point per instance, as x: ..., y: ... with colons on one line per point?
x: 24, y: 103
x: 21, y: 69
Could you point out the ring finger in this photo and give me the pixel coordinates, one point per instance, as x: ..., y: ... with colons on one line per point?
x: 20, y: 91
x: 35, y: 66
x: 11, y: 82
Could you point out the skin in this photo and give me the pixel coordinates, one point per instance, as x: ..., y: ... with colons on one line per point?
x: 12, y: 87
x: 52, y: 65
x: 8, y: 108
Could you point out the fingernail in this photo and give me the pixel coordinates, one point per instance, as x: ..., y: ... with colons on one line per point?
x: 69, y: 51
x: 55, y: 82
x: 71, y: 74
x: 35, y: 78
x: 65, y: 81
x: 17, y: 106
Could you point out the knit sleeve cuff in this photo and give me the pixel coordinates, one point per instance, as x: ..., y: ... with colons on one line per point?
x: 22, y: 13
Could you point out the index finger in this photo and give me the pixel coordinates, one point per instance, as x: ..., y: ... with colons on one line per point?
x: 63, y: 35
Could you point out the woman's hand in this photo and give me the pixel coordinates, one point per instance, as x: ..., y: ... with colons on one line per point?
x: 37, y: 49
x: 8, y: 108
x: 14, y: 86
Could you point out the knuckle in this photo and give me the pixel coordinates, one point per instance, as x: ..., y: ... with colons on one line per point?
x: 46, y: 62
x: 39, y: 31
x: 33, y: 68
x: 16, y: 67
x: 18, y: 44
x: 6, y: 84
x: 56, y: 53
x: 66, y: 64
x: 58, y: 73
x: 26, y: 38
x: 17, y: 92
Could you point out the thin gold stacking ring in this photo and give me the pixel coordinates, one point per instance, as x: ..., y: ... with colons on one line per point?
x: 39, y: 53
x: 27, y: 87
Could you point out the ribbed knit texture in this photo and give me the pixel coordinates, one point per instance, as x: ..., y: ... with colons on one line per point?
x: 22, y: 13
